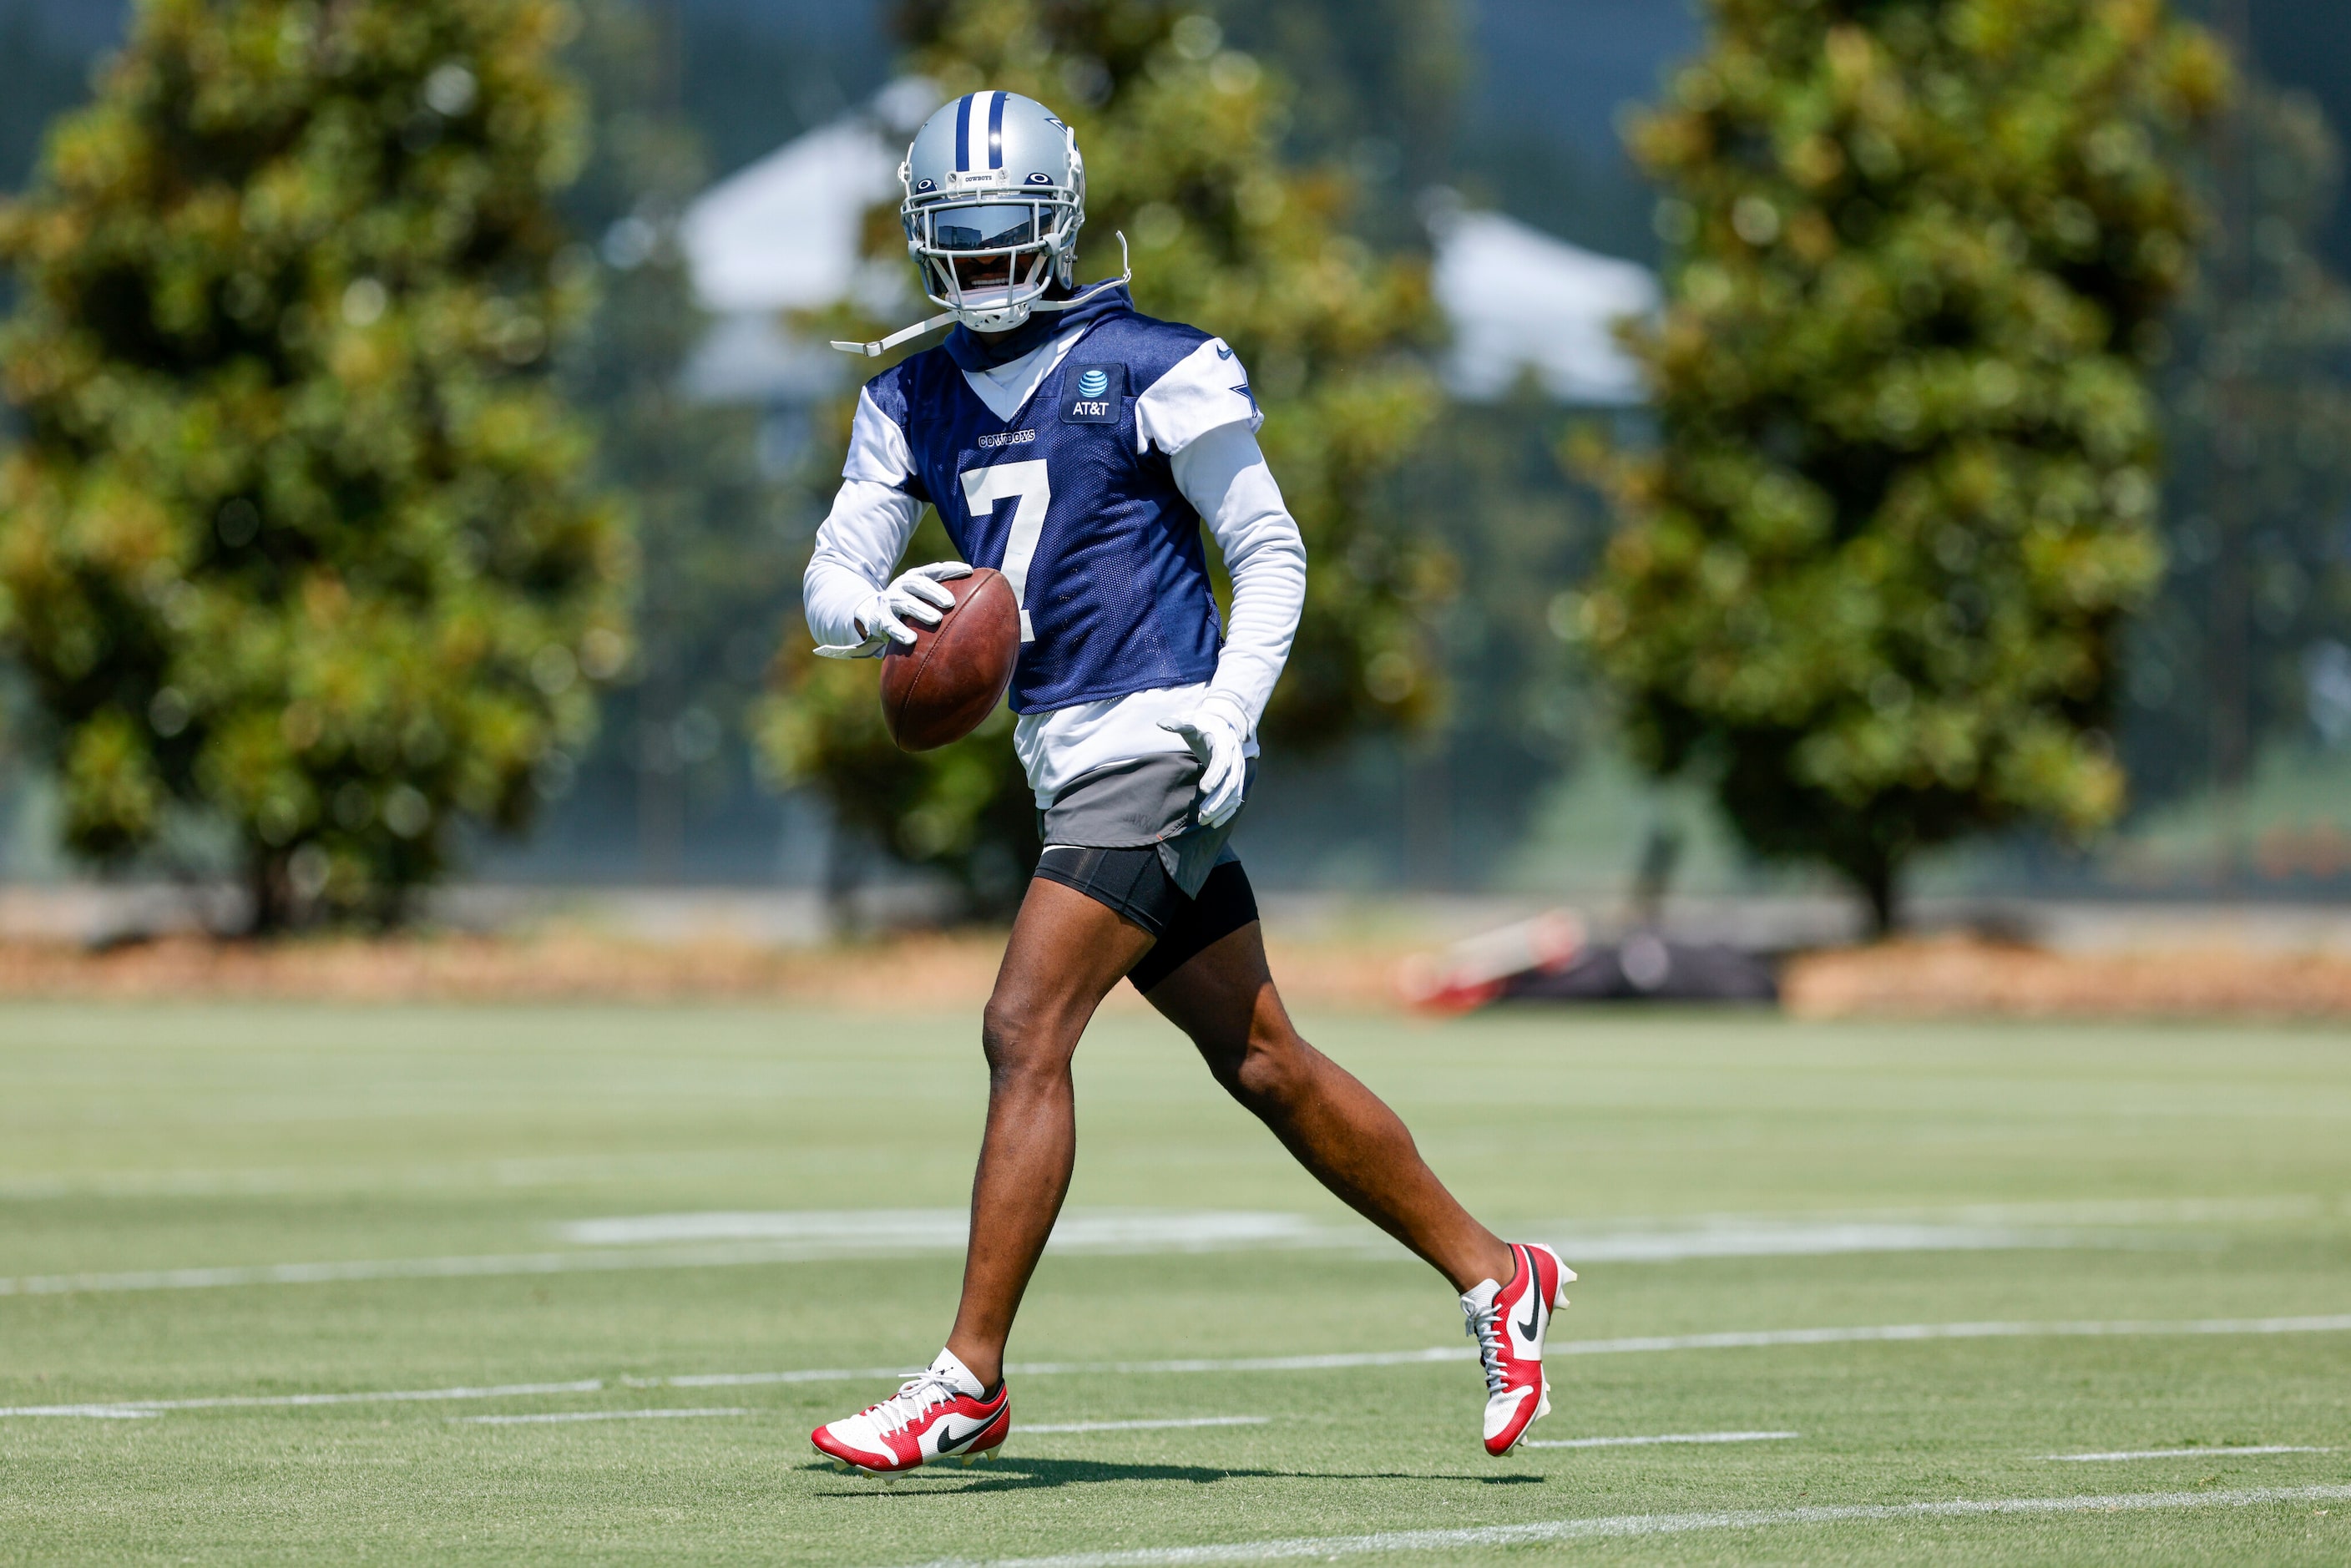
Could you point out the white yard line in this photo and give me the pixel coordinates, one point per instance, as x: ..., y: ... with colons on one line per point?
x: 1641, y: 1524
x: 1253, y: 1363
x: 2193, y: 1211
x: 594, y: 1416
x: 860, y: 1231
x: 2187, y: 1453
x: 2131, y: 1211
x: 1062, y: 1368
x: 1103, y: 1240
x: 2332, y: 1324
x: 1029, y: 1427
x: 310, y: 1181
x: 731, y: 1239
x: 1894, y: 1333
x: 1767, y: 1239
x: 283, y: 1401
x: 1663, y: 1437
x: 486, y: 1265
x: 863, y: 1230
x: 758, y: 1379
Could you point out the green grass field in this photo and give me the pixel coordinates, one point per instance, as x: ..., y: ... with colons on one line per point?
x: 1736, y: 1175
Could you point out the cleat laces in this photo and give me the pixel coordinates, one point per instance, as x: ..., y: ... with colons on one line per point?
x: 1485, y: 1326
x: 917, y: 1396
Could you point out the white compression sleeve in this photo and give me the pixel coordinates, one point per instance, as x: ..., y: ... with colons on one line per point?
x: 856, y: 549
x: 1223, y: 476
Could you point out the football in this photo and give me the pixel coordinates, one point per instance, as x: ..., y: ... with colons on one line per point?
x: 939, y: 689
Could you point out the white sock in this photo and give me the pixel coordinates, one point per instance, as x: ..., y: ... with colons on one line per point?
x: 950, y: 1366
x: 1481, y: 1296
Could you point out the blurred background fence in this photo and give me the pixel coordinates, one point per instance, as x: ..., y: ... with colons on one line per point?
x: 1456, y: 169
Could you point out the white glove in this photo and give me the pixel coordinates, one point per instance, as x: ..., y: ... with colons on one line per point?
x: 1218, y: 732
x: 915, y: 596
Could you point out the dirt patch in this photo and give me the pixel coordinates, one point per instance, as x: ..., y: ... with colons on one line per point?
x: 1960, y: 977
x: 949, y: 972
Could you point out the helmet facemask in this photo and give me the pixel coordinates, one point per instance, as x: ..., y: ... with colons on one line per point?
x: 989, y: 252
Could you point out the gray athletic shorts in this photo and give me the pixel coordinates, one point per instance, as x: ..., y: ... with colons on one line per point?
x: 1129, y: 837
x: 1151, y: 802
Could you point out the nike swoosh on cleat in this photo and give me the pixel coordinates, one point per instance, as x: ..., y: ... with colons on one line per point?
x: 1532, y: 1327
x: 953, y: 1440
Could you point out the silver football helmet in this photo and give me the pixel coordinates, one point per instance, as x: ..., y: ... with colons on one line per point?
x: 995, y: 194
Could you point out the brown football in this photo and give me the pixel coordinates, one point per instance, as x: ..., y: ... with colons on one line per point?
x: 940, y: 689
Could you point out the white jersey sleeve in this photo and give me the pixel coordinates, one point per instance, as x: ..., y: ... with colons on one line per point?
x: 873, y: 520
x: 878, y: 452
x: 1206, y: 391
x: 1223, y: 476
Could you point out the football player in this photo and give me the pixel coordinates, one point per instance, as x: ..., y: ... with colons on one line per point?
x: 1077, y: 447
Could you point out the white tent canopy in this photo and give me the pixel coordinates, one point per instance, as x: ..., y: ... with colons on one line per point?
x: 783, y: 235
x: 1521, y: 302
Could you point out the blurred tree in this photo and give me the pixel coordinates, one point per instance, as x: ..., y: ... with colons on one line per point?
x: 2259, y: 438
x: 298, y: 540
x: 1488, y: 486
x: 1181, y: 136
x: 718, y: 570
x: 1376, y: 90
x: 2299, y: 45
x: 756, y: 76
x: 1875, y: 575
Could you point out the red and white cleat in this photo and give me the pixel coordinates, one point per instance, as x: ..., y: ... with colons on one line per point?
x: 940, y: 1414
x: 1507, y: 1323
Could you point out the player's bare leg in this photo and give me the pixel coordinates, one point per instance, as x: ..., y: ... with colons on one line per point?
x: 1342, y: 1132
x: 1067, y: 951
x: 1225, y: 999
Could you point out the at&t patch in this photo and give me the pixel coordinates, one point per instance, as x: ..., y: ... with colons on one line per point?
x: 1090, y: 393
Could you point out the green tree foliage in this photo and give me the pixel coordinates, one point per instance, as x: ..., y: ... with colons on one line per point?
x: 2258, y: 438
x: 1377, y: 87
x: 1876, y: 574
x: 1182, y: 138
x: 298, y: 539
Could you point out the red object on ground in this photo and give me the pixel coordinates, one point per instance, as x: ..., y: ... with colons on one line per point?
x: 1472, y: 973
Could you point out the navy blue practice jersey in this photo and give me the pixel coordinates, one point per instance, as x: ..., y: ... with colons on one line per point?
x: 1074, y: 499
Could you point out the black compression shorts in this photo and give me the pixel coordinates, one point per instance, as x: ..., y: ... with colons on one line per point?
x: 1135, y: 884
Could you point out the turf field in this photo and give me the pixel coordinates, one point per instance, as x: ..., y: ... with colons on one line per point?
x: 528, y: 1285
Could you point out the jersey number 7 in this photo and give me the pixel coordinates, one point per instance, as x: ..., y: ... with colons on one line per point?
x: 1033, y: 487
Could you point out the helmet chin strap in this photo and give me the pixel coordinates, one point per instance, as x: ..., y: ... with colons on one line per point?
x: 875, y: 351
x: 906, y: 334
